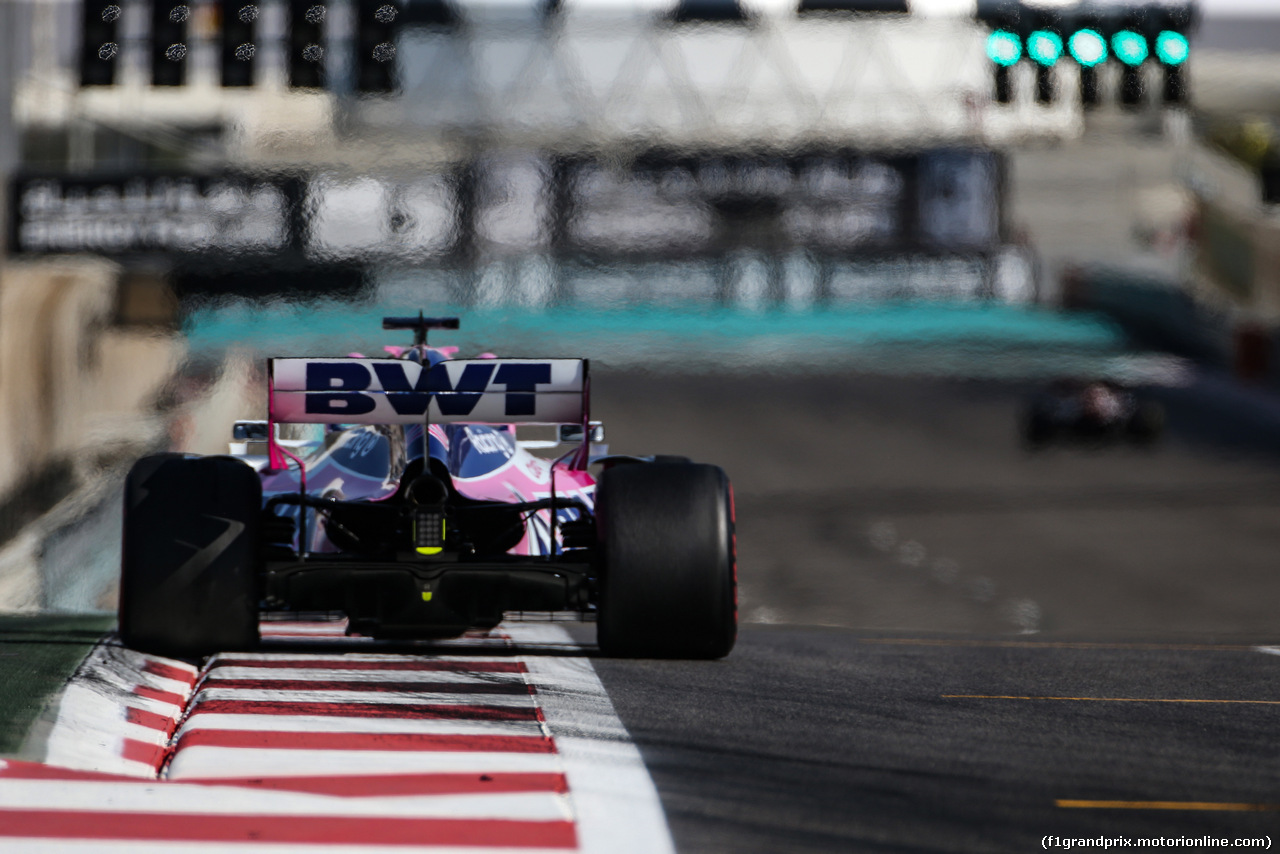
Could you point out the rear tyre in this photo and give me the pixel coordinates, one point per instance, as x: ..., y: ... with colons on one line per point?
x: 1037, y: 427
x: 667, y: 562
x: 188, y: 579
x: 1146, y: 424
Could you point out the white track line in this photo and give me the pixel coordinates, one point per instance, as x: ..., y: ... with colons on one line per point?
x: 617, y: 806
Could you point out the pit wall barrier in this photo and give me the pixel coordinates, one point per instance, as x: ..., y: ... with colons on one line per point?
x: 1235, y: 270
x: 1179, y: 318
x: 1238, y: 253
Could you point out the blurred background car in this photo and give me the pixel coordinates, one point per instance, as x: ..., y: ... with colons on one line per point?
x: 1091, y: 411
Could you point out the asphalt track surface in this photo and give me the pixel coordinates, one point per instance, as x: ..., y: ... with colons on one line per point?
x: 951, y: 643
x: 829, y: 740
x: 917, y: 585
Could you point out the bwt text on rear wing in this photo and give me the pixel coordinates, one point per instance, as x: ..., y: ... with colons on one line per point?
x: 399, y: 391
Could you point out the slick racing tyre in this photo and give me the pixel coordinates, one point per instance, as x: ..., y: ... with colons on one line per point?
x: 1037, y: 427
x: 1146, y: 423
x: 668, y: 572
x: 188, y: 583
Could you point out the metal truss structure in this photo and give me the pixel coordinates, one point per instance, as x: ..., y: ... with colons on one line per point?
x: 579, y: 80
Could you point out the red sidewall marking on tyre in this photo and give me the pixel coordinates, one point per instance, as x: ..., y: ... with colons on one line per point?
x: 733, y: 549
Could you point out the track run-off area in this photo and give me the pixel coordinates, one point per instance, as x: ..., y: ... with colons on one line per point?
x: 500, y: 742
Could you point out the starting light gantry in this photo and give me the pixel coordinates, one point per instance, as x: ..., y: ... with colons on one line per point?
x: 1090, y: 34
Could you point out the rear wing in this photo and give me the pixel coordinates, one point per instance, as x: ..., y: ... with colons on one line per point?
x: 399, y: 391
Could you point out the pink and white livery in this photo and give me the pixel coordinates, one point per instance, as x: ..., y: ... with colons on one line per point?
x: 396, y: 491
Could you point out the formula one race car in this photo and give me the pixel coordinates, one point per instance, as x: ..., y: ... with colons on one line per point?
x: 414, y: 509
x: 1093, y: 411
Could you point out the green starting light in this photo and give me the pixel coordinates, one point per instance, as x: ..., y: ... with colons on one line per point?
x: 1129, y: 47
x: 1044, y: 47
x: 1088, y: 47
x: 1172, y: 48
x: 1004, y: 48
